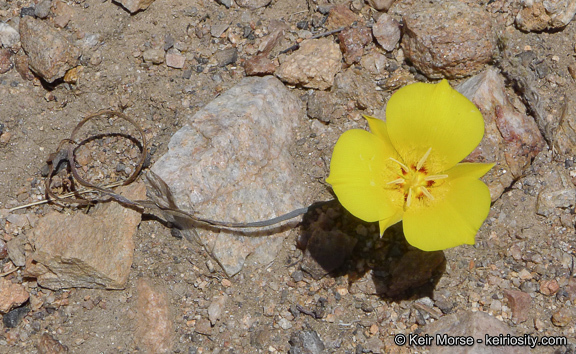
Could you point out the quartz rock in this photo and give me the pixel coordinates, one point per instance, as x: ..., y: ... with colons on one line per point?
x: 387, y: 32
x: 230, y: 162
x: 511, y: 139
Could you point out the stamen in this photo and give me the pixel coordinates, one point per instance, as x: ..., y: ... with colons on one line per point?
x: 423, y: 159
x: 435, y: 177
x: 397, y: 181
x: 401, y: 164
x: 409, y: 198
x: 426, y: 192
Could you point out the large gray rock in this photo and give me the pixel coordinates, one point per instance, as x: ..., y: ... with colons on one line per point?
x: 511, y: 138
x: 230, y: 162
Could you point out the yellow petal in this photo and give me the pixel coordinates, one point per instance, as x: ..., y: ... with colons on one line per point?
x: 472, y: 170
x: 378, y: 128
x: 356, y: 175
x: 386, y: 223
x: 451, y: 220
x: 421, y: 116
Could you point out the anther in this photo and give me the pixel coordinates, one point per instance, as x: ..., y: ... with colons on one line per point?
x: 397, y: 181
x: 435, y: 177
x: 423, y: 159
x: 401, y: 164
x: 426, y: 192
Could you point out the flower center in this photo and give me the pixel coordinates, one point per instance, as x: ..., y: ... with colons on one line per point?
x: 414, y: 181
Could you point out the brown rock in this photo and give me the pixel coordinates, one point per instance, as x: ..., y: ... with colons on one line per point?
x: 62, y: 13
x: 260, y: 65
x: 153, y: 323
x: 48, y: 345
x: 540, y: 15
x: 50, y: 55
x: 549, y: 287
x: 21, y: 63
x: 135, y: 5
x: 387, y: 32
x: 375, y: 63
x: 5, y: 62
x: 341, y: 16
x: 92, y: 251
x: 3, y: 249
x: 448, y: 39
x: 326, y: 251
x: 511, y: 138
x: 415, y: 269
x: 562, y: 317
x: 314, y: 65
x: 519, y: 303
x: 253, y: 4
x: 11, y: 295
x: 352, y: 43
x: 381, y: 5
x: 73, y: 75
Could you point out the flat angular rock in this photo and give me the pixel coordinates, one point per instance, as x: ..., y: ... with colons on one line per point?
x: 88, y: 251
x: 387, y: 32
x: 153, y: 325
x: 475, y: 324
x: 519, y: 303
x: 260, y: 65
x: 540, y: 15
x: 11, y: 295
x: 50, y: 54
x: 174, y: 59
x: 5, y: 62
x: 511, y: 138
x: 314, y: 65
x: 135, y: 5
x: 448, y: 39
x: 341, y: 16
x: 230, y: 162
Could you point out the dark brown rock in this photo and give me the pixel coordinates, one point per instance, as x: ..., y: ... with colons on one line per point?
x: 325, y: 106
x: 341, y: 16
x: 415, y: 269
x: 5, y: 62
x: 519, y: 303
x: 260, y: 65
x: 352, y: 43
x: 448, y: 39
x: 21, y: 63
x: 50, y: 54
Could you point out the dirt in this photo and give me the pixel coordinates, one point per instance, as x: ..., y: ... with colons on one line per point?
x: 266, y: 307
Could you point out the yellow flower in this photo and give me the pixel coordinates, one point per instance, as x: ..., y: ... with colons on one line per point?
x: 407, y: 168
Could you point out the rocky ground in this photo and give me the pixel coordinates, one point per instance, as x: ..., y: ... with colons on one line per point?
x: 259, y: 91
